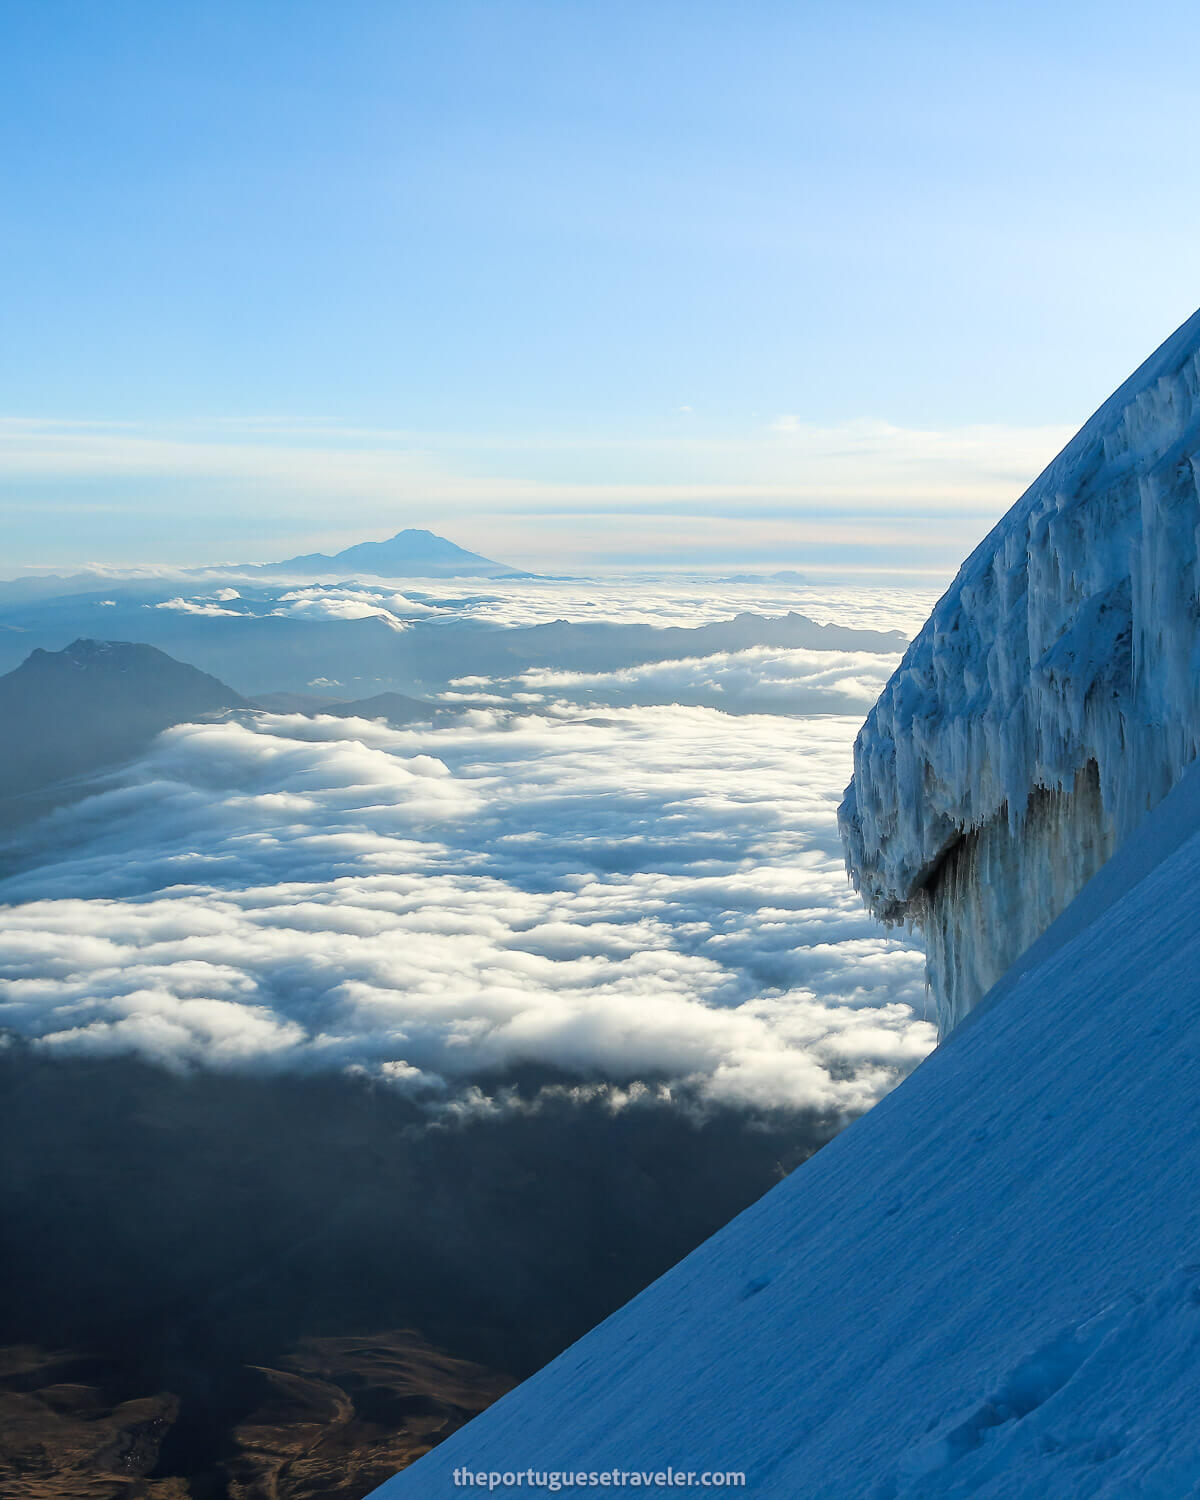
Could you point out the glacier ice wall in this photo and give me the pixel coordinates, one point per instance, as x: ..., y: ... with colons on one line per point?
x: 1052, y: 697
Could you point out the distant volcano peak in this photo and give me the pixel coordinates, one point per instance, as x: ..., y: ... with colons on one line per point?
x: 411, y: 553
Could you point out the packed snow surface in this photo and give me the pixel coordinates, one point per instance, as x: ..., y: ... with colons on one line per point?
x: 1062, y: 664
x: 989, y: 1286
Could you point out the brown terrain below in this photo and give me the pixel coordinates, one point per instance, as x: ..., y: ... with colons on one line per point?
x: 335, y: 1419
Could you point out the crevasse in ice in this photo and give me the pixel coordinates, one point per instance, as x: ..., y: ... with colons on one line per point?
x: 1052, y: 697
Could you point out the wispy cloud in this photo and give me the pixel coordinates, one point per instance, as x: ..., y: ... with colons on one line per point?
x: 195, y: 607
x: 783, y: 482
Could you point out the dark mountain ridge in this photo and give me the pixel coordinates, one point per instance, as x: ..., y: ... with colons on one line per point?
x: 67, y: 713
x: 269, y: 653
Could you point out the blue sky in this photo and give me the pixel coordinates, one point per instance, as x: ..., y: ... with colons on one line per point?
x: 573, y: 282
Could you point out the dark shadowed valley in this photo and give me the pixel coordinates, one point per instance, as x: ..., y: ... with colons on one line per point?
x: 203, y: 1275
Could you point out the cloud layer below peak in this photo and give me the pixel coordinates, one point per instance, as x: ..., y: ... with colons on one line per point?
x: 654, y: 895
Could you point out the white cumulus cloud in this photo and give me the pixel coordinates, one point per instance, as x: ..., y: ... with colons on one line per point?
x: 657, y: 894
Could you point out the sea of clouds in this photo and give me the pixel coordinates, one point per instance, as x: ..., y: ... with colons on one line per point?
x: 644, y: 894
x: 651, y: 599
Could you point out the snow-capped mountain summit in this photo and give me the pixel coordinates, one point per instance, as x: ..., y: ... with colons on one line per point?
x: 988, y: 1286
x: 1052, y: 697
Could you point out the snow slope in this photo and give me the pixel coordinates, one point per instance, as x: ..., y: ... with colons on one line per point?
x: 1052, y: 697
x: 989, y: 1286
